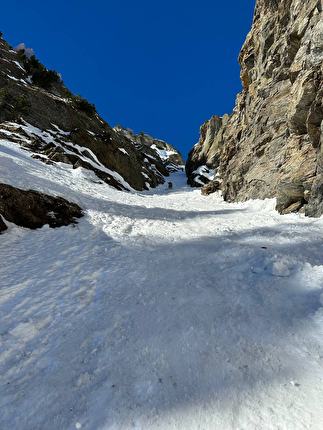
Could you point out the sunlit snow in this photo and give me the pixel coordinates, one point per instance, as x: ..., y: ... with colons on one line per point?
x: 161, y: 309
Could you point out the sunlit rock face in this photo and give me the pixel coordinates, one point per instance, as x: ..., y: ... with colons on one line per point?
x: 271, y: 144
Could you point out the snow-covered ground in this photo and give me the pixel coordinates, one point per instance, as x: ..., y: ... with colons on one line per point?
x: 158, y: 310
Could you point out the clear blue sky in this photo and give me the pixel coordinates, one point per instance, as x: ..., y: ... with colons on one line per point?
x: 162, y: 67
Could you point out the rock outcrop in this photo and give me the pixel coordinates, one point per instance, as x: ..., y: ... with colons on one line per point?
x: 170, y: 157
x: 32, y: 209
x: 271, y: 144
x: 210, y: 188
x: 38, y: 112
x: 3, y: 225
x: 204, y: 158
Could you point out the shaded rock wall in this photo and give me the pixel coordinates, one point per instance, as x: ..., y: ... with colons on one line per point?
x: 32, y: 209
x: 3, y: 226
x: 271, y: 144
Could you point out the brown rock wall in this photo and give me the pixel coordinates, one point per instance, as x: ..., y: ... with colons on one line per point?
x: 271, y: 144
x: 32, y: 209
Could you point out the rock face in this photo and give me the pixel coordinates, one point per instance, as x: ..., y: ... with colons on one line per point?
x: 271, y: 144
x: 170, y: 157
x: 205, y: 156
x: 32, y: 209
x: 38, y: 112
x: 3, y: 226
x: 210, y: 188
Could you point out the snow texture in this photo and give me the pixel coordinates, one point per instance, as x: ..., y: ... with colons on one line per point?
x: 159, y: 310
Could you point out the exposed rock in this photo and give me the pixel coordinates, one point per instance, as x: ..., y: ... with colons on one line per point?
x: 271, y: 144
x: 315, y: 206
x: 210, y: 188
x: 3, y: 225
x: 295, y: 207
x: 171, y: 158
x: 43, y: 116
x: 33, y: 209
x: 290, y: 194
x: 205, y: 156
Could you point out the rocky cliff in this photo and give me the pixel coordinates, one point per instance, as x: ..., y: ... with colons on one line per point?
x: 170, y: 157
x: 204, y: 158
x: 271, y: 144
x: 38, y: 112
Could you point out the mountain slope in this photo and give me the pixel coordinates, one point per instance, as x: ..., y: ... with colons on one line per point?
x: 159, y: 310
x: 271, y: 144
x: 172, y: 159
x: 38, y: 111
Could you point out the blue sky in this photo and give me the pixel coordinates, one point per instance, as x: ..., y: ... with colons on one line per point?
x: 162, y: 67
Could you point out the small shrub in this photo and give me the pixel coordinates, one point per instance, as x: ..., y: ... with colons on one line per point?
x: 21, y: 106
x: 40, y: 76
x: 1, y: 34
x: 82, y: 104
x: 67, y: 94
x: 142, y: 134
x: 45, y: 78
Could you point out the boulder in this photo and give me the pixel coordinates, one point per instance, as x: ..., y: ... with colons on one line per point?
x: 210, y: 188
x: 289, y: 196
x: 32, y: 209
x: 294, y: 207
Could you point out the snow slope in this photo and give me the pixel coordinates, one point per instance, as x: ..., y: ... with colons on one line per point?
x: 159, y: 310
